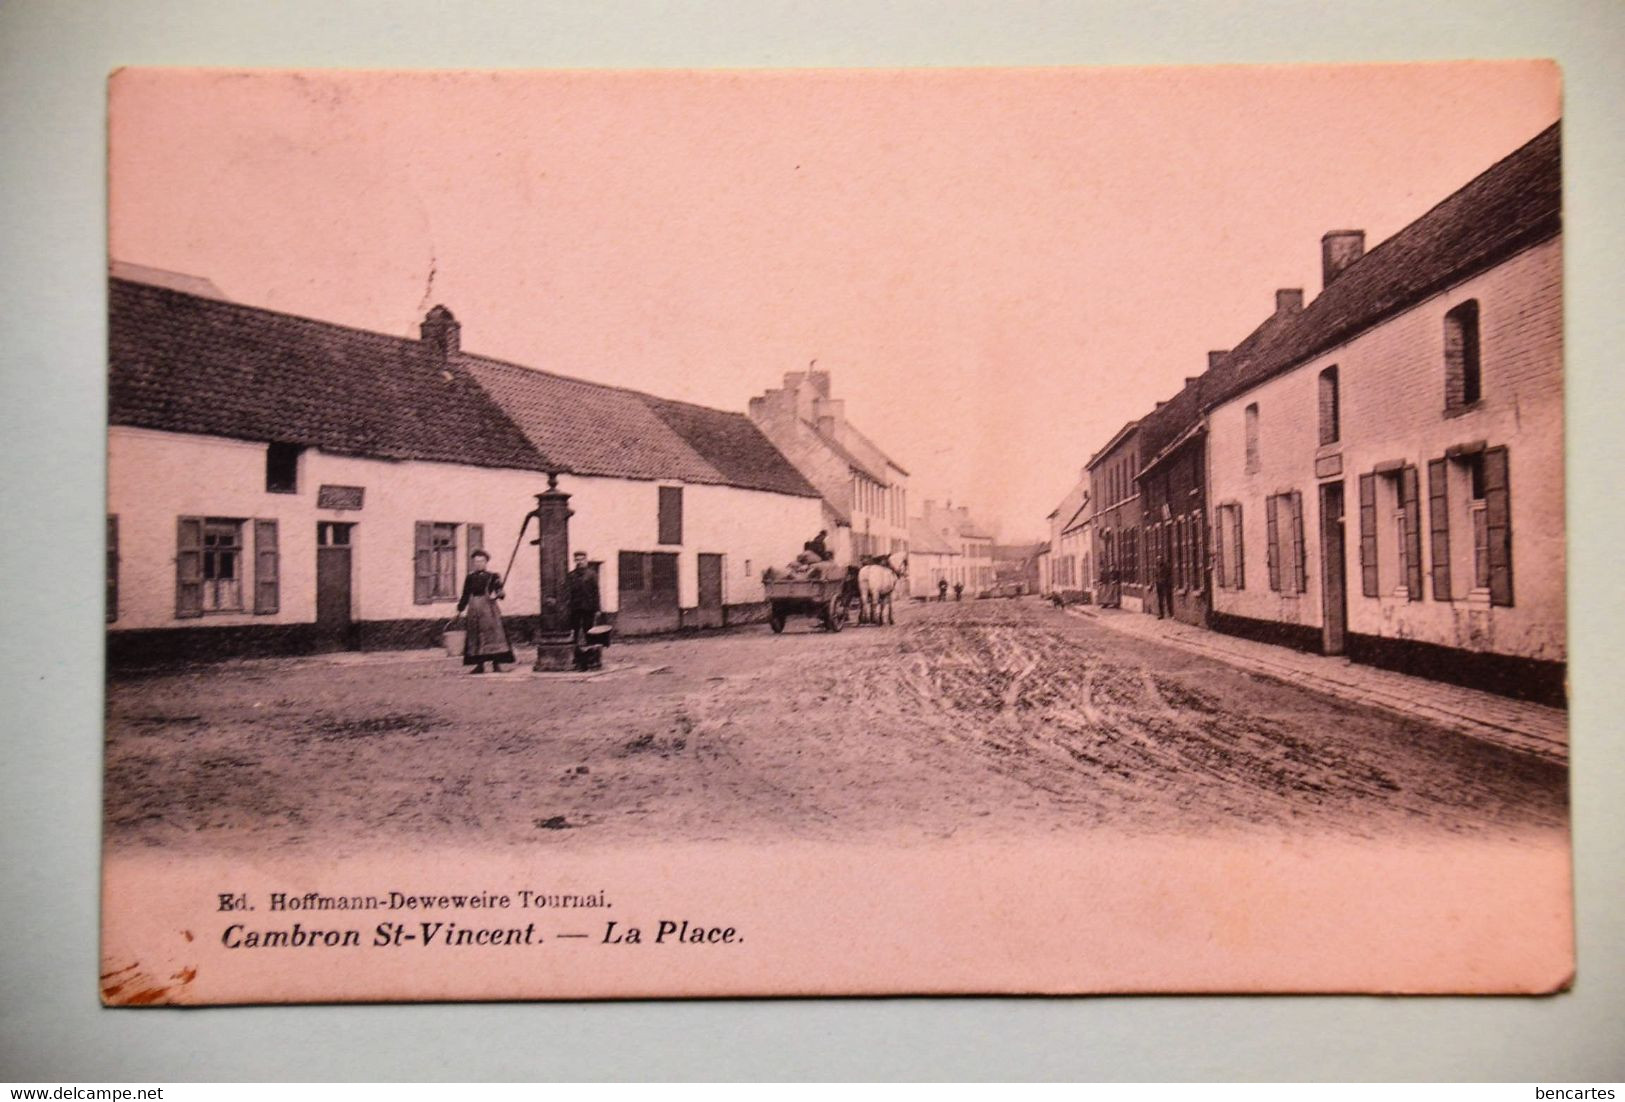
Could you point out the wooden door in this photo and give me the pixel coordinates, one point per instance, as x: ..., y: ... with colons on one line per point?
x: 1334, y: 582
x: 334, y: 628
x: 709, y: 612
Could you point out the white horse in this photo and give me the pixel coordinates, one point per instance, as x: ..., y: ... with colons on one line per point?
x: 876, y: 580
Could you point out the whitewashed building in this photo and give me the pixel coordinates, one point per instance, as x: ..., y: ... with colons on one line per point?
x: 1067, y: 573
x: 1386, y: 468
x: 865, y: 491
x: 932, y: 560
x: 955, y: 526
x: 278, y: 484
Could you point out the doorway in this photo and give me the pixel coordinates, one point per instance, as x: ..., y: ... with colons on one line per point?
x: 1334, y: 583
x: 335, y: 629
x: 709, y: 612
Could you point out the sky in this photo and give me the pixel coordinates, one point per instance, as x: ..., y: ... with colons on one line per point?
x: 998, y: 267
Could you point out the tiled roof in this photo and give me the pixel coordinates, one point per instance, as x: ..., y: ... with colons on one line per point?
x: 1160, y: 428
x: 592, y: 429
x: 185, y: 363
x: 586, y: 428
x: 163, y: 277
x: 1515, y: 203
x: 733, y: 446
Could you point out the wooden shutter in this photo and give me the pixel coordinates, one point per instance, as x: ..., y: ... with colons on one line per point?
x: 189, y: 567
x: 1411, y: 495
x: 1240, y: 538
x: 1368, y: 535
x: 476, y: 542
x: 1218, y: 547
x: 1272, y: 539
x: 671, y: 514
x: 266, y: 563
x: 1199, y: 538
x: 1439, y: 527
x: 1300, y: 571
x: 1498, y: 520
x: 112, y: 569
x: 422, y: 563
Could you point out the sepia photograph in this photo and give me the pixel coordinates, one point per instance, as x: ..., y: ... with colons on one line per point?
x: 588, y: 534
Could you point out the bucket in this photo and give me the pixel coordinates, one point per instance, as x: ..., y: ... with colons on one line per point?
x: 454, y: 642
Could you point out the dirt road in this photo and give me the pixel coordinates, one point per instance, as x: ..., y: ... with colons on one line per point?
x: 988, y: 719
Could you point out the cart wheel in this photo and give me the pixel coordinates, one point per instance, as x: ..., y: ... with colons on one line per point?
x: 775, y: 620
x: 835, y: 618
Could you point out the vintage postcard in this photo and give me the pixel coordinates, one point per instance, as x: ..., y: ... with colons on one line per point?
x: 623, y: 534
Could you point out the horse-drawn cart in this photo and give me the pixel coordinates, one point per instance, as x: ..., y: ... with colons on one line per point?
x: 827, y: 599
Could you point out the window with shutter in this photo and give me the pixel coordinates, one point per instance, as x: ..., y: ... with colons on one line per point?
x: 1272, y: 540
x: 1439, y: 527
x: 1498, y: 524
x: 1250, y: 427
x: 1300, y: 571
x: 434, y: 562
x: 1368, y: 535
x: 189, y: 567
x: 629, y: 571
x: 266, y: 567
x: 1411, y: 505
x: 1219, y: 518
x: 671, y: 514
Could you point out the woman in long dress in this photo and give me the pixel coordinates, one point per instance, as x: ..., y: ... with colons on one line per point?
x: 486, y: 640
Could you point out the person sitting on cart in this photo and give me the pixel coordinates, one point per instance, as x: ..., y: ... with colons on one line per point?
x: 819, y: 546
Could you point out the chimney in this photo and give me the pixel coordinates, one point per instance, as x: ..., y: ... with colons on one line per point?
x: 442, y: 333
x: 1338, y: 250
x: 820, y: 382
x: 1189, y: 379
x: 1215, y: 358
x: 1289, y: 300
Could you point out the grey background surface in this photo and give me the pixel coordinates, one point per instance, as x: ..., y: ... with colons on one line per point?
x: 54, y: 57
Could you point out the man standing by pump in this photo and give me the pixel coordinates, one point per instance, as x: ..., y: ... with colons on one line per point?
x: 584, y: 606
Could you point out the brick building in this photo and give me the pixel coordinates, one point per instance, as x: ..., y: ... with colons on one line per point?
x: 1121, y: 574
x: 1385, y: 466
x: 278, y: 484
x: 1173, y: 499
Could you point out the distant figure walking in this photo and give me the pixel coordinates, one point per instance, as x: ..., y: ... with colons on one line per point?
x: 1165, y: 586
x: 959, y: 591
x: 486, y: 641
x: 584, y: 600
x: 942, y: 589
